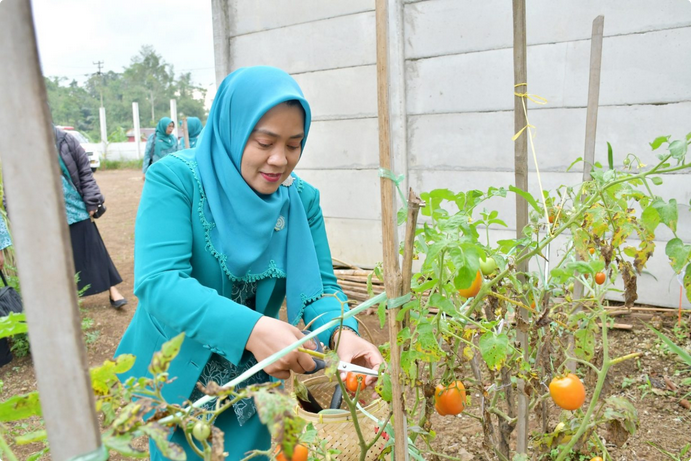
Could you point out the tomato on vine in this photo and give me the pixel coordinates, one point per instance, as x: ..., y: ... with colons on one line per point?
x: 600, y: 278
x: 300, y: 453
x: 487, y: 266
x: 591, y: 250
x: 201, y: 431
x: 474, y: 288
x: 449, y: 400
x: 567, y: 392
x: 597, y: 458
x: 354, y: 381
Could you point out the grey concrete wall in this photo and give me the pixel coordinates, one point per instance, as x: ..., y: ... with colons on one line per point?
x: 458, y: 97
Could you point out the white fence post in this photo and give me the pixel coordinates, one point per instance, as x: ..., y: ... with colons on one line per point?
x: 104, y: 130
x: 42, y: 243
x: 137, y: 129
x: 174, y: 115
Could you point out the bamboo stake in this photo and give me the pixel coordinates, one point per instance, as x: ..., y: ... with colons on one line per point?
x: 42, y: 243
x: 392, y: 276
x: 520, y: 76
x: 590, y: 131
x: 414, y: 204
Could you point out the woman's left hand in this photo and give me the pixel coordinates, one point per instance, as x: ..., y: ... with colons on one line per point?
x: 353, y: 349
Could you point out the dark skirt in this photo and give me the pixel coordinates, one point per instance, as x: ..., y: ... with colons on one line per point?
x: 91, y: 259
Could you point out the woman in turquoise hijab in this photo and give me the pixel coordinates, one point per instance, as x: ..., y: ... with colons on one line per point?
x: 242, y: 233
x: 160, y: 143
x: 194, y: 127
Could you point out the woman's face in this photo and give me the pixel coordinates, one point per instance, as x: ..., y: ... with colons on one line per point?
x: 273, y: 148
x: 171, y: 127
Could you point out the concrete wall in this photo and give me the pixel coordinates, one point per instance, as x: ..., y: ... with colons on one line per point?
x: 456, y: 97
x: 124, y: 151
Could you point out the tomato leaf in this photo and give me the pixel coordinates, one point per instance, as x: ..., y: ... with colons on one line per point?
x: 13, y: 324
x: 610, y: 156
x: 104, y: 376
x: 668, y: 212
x: 584, y: 343
x: 159, y: 435
x: 32, y: 437
x: 20, y: 407
x: 427, y: 343
x: 383, y: 387
x: 678, y: 149
x: 494, y: 349
x: 687, y: 282
x: 579, y: 159
x: 161, y: 359
x: 658, y: 141
x: 678, y: 254
x: 528, y: 198
x: 650, y: 219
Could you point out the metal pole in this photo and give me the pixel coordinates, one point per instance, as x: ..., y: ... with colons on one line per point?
x: 137, y: 129
x: 42, y: 243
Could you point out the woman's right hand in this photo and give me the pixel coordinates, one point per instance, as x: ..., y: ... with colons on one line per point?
x: 272, y: 335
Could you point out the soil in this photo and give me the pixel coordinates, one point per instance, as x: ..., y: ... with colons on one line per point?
x: 663, y: 420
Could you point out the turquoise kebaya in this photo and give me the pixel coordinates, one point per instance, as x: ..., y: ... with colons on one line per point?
x: 246, y: 247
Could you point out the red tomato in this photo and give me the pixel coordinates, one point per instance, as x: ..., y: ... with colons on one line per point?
x: 567, y: 392
x: 353, y: 381
x: 474, y: 288
x: 449, y: 400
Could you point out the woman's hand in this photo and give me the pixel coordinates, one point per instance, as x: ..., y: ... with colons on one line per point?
x: 270, y: 336
x: 353, y: 349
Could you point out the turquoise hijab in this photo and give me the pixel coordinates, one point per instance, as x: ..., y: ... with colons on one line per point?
x: 255, y: 236
x: 164, y: 141
x: 194, y: 127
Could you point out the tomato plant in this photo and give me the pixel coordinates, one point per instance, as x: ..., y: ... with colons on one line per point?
x: 568, y: 392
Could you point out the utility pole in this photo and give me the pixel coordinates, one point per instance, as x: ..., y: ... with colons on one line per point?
x: 102, y: 112
x: 100, y: 74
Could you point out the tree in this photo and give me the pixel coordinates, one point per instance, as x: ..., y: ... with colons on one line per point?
x: 150, y: 76
x: 148, y: 80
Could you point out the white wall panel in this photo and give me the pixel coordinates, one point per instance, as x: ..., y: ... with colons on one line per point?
x: 339, y: 42
x: 253, y: 15
x: 342, y: 144
x: 443, y: 27
x: 342, y: 93
x: 352, y: 194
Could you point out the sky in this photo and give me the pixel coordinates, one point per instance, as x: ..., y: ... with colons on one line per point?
x: 74, y: 34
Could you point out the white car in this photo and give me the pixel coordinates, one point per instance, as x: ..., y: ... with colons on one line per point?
x: 93, y: 150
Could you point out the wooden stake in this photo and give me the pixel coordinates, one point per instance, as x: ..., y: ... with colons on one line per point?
x: 392, y: 276
x: 520, y: 76
x: 590, y: 131
x: 414, y: 204
x: 42, y: 242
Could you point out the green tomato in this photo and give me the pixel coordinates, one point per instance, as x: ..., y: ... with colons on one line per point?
x: 488, y: 266
x: 570, y: 287
x: 201, y: 431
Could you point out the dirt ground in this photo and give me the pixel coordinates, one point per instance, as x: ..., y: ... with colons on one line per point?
x: 663, y: 421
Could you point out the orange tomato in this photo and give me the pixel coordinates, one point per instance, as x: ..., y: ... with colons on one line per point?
x: 300, y: 453
x: 353, y: 381
x: 600, y: 278
x: 597, y: 458
x: 592, y: 252
x: 449, y: 400
x: 551, y: 219
x: 474, y: 288
x: 567, y: 392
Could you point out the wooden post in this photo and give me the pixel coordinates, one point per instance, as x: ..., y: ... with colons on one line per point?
x: 520, y: 76
x: 185, y: 133
x: 392, y: 275
x: 42, y: 242
x: 590, y: 131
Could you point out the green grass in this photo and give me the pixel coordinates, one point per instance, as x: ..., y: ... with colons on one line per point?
x: 121, y: 164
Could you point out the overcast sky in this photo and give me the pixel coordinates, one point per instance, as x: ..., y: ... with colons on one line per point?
x: 73, y: 34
